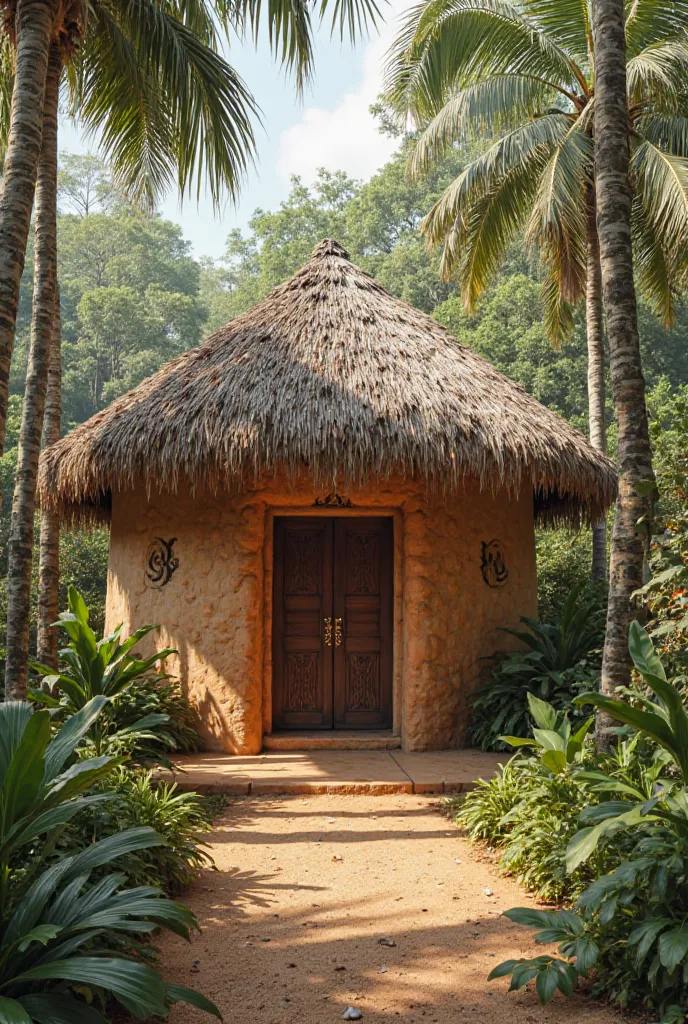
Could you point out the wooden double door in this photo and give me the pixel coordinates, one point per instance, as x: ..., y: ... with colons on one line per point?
x: 332, y: 626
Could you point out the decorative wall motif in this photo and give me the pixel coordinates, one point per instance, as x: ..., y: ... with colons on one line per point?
x: 302, y: 560
x: 493, y: 564
x: 161, y: 563
x: 362, y: 563
x: 301, y: 682
x: 362, y: 682
x: 332, y: 500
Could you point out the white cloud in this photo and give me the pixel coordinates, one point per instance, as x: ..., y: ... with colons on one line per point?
x: 345, y: 138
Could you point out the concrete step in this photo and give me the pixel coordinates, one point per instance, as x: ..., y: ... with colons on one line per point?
x: 334, y: 739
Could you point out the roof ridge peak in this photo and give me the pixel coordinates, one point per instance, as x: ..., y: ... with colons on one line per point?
x: 330, y: 247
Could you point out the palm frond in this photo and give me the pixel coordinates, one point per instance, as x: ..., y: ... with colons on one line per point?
x: 444, y: 44
x: 557, y: 224
x: 661, y: 183
x: 660, y: 222
x: 667, y: 132
x: 648, y: 21
x: 568, y: 22
x: 501, y: 102
x: 557, y: 312
x: 290, y: 31
x: 165, y: 105
x: 652, y: 264
x: 657, y: 75
x: 478, y: 215
x: 491, y: 222
x: 290, y: 26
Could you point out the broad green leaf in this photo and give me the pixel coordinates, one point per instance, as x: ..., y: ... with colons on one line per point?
x: 549, y: 740
x: 181, y: 994
x: 585, y: 842
x: 14, y: 717
x: 555, y: 760
x: 501, y: 970
x: 644, y: 935
x: 22, y: 782
x: 139, y: 988
x: 42, y: 933
x: 544, y: 715
x: 546, y: 983
x: 673, y: 946
x: 643, y: 653
x: 56, y: 1008
x: 532, y: 918
x: 70, y: 735
x: 12, y: 1012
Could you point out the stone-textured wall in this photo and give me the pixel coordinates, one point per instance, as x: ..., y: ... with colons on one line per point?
x: 216, y: 607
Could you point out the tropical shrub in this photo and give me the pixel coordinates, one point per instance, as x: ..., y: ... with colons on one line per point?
x: 530, y: 808
x: 91, y: 667
x: 630, y: 923
x: 56, y: 923
x: 137, y: 799
x: 666, y: 594
x: 559, y: 660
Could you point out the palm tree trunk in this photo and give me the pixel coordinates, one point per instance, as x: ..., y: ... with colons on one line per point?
x: 632, y: 525
x: 33, y: 24
x: 594, y: 321
x: 20, y: 547
x: 49, y: 566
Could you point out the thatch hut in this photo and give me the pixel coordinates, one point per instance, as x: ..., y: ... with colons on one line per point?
x: 329, y: 507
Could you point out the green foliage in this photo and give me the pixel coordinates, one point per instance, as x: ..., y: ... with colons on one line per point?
x: 483, y: 811
x: 521, y: 75
x: 531, y: 814
x: 559, y: 659
x: 564, y: 558
x: 56, y: 923
x: 631, y: 921
x: 136, y: 799
x: 666, y: 593
x: 106, y: 668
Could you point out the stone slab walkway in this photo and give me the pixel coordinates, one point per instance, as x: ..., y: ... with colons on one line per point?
x: 306, y: 888
x: 336, y: 771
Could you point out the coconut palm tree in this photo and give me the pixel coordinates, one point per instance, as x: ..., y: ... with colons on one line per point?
x: 613, y: 33
x: 142, y: 69
x: 523, y: 70
x: 217, y: 142
x: 20, y: 546
x: 168, y: 109
x: 49, y: 547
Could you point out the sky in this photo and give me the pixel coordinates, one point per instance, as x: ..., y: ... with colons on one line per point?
x: 330, y: 126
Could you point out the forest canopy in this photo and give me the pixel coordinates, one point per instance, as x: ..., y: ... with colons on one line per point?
x: 133, y: 296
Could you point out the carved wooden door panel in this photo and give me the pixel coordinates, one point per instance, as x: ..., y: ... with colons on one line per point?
x: 302, y: 660
x: 363, y: 639
x: 332, y: 623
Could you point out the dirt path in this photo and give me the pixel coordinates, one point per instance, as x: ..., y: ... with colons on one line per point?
x: 308, y: 885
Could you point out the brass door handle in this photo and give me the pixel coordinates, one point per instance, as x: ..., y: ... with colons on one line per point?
x: 338, y: 632
x: 328, y: 632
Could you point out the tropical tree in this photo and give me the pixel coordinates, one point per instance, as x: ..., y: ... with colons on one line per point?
x: 147, y: 77
x: 524, y: 72
x: 163, y: 52
x: 49, y: 548
x: 614, y: 33
x: 179, y: 105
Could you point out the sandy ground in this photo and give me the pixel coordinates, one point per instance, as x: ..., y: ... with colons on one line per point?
x: 306, y: 888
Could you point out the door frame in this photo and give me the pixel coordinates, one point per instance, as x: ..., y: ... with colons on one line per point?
x: 370, y: 511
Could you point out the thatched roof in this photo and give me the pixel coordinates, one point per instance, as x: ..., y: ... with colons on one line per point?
x: 332, y: 375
